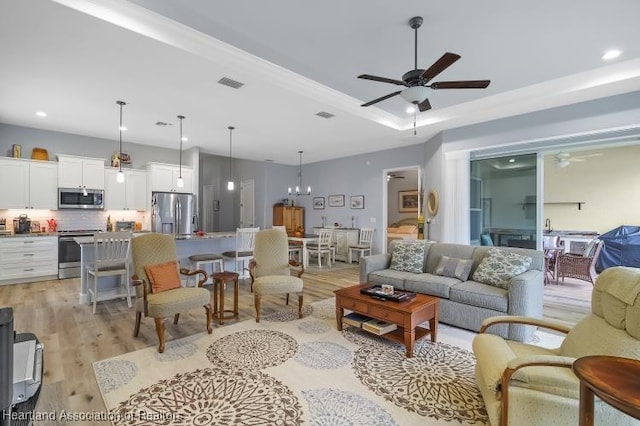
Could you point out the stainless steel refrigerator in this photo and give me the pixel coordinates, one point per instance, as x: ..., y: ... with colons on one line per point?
x: 173, y: 213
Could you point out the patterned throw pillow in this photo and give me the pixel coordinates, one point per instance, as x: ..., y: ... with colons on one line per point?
x: 499, y: 266
x: 408, y: 256
x: 453, y: 267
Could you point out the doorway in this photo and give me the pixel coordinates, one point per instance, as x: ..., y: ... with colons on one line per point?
x: 401, y: 201
x: 247, y: 204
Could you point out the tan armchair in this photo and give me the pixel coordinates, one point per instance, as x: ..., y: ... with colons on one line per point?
x: 582, y: 267
x: 156, y: 249
x: 523, y: 384
x: 270, y: 269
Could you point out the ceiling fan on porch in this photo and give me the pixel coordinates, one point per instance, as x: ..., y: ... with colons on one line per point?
x: 563, y: 159
x: 417, y: 81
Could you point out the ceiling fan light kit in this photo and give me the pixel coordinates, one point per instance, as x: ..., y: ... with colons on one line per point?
x: 417, y: 80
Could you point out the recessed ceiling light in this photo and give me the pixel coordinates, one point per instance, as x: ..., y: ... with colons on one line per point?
x: 410, y: 109
x: 41, y: 114
x: 185, y: 139
x: 512, y: 160
x: 123, y: 128
x: 611, y: 54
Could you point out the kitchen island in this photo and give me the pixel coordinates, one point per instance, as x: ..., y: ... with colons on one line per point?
x: 186, y: 245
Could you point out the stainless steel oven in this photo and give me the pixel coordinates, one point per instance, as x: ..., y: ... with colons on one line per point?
x: 69, y: 252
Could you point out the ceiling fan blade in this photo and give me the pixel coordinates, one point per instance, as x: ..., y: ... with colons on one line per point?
x: 375, y: 101
x: 424, y: 105
x: 382, y: 79
x: 440, y: 65
x: 597, y: 154
x: 576, y: 159
x: 466, y: 84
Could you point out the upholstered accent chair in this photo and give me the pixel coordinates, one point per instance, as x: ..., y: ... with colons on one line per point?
x: 149, y: 251
x: 580, y: 266
x: 526, y: 384
x: 295, y: 247
x: 270, y: 269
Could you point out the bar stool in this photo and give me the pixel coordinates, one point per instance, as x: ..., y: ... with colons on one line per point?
x: 201, y: 260
x: 220, y: 279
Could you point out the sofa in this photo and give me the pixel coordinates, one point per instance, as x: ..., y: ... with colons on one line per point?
x: 466, y: 303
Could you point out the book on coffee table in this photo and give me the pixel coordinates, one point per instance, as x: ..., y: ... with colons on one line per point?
x: 355, y: 319
x: 379, y: 327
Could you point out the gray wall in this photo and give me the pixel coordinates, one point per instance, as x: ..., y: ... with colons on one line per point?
x: 355, y: 175
x: 86, y: 146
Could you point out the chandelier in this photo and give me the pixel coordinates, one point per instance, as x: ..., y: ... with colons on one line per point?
x: 299, y: 186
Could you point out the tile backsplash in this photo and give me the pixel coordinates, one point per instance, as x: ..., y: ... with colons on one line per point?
x: 77, y: 219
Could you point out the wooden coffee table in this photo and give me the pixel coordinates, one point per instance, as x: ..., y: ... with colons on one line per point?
x: 406, y: 315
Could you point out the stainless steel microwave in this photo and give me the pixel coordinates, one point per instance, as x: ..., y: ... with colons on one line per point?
x: 80, y: 198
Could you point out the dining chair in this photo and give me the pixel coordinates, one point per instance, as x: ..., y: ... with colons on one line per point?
x: 245, y: 240
x: 111, y: 258
x: 364, y: 244
x: 322, y: 246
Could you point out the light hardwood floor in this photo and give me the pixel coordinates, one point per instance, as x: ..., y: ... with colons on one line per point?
x: 74, y: 338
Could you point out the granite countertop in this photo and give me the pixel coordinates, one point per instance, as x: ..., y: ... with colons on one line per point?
x: 571, y: 233
x: 35, y: 234
x: 207, y: 236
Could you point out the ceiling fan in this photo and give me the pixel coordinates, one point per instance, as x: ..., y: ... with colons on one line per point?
x: 394, y: 176
x: 563, y: 159
x: 417, y: 80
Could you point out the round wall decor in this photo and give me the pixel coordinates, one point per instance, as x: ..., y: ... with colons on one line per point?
x: 433, y: 202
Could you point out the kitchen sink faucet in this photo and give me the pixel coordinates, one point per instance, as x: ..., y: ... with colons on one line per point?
x: 547, y: 224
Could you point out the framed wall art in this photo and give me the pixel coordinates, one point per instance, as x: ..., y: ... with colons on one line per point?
x: 357, y: 201
x: 408, y: 201
x: 336, y: 200
x: 318, y: 203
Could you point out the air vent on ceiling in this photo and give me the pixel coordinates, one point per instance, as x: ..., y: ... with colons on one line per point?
x: 325, y: 114
x: 231, y: 83
x: 163, y: 123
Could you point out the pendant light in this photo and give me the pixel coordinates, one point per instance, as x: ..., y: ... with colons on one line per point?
x: 230, y: 184
x: 180, y: 181
x: 299, y: 186
x: 120, y: 175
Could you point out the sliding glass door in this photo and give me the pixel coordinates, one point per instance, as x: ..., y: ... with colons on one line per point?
x: 502, y: 205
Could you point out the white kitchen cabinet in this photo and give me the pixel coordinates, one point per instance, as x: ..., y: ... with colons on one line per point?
x: 79, y: 172
x: 29, y: 184
x: 164, y: 178
x: 130, y: 195
x: 29, y: 258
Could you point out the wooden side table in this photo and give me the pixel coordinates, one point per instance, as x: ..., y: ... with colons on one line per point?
x: 219, y: 280
x: 614, y: 380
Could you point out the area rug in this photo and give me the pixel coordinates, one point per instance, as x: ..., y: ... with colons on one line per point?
x: 289, y: 371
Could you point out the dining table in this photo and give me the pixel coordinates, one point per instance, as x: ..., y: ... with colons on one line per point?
x: 304, y: 239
